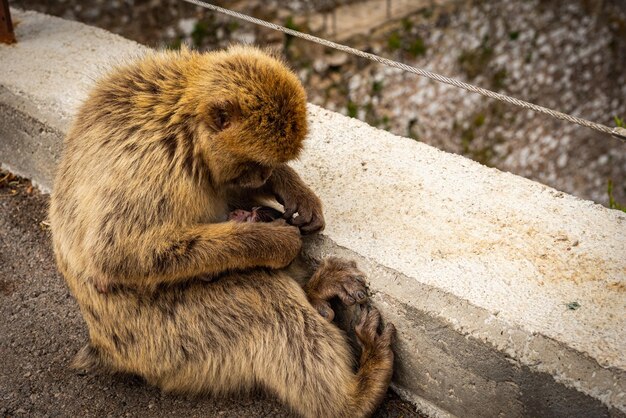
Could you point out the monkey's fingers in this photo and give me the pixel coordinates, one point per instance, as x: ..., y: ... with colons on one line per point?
x: 339, y: 278
x: 372, y: 334
x: 388, y: 335
x: 290, y: 210
x: 353, y: 292
x: 316, y: 224
x: 324, y: 309
x: 308, y: 221
x: 367, y: 328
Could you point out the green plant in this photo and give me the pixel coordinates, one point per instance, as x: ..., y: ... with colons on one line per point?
x: 479, y: 120
x: 427, y: 12
x: 474, y: 61
x: 394, y: 42
x: 467, y: 137
x: 410, y: 130
x: 498, y: 78
x: 407, y: 25
x: 200, y: 32
x: 290, y: 24
x: 377, y: 87
x: 417, y: 47
x: 619, y: 122
x: 352, y: 109
x: 483, y: 149
x: 529, y: 57
x: 175, y: 44
x: 385, y: 122
x: 612, y: 203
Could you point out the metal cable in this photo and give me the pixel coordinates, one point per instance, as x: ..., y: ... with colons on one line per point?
x: 619, y: 133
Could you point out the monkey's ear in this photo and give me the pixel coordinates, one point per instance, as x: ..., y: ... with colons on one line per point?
x: 223, y: 114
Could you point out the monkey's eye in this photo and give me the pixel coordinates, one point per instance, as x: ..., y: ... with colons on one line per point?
x: 221, y: 119
x: 223, y: 114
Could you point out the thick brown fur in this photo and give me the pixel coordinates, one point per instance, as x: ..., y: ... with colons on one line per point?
x: 160, y: 153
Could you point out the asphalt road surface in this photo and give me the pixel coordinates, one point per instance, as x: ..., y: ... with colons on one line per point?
x: 41, y: 329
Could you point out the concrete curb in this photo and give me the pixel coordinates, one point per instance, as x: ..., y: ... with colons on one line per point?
x: 474, y: 266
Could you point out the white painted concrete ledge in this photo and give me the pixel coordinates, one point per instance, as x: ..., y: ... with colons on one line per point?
x: 475, y: 266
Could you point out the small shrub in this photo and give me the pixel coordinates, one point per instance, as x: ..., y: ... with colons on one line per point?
x: 175, y: 44
x: 199, y: 33
x: 479, y: 120
x: 498, y: 78
x: 407, y: 25
x: 377, y: 87
x: 352, y: 109
x: 394, y: 42
x: 612, y: 203
x: 417, y: 47
x: 473, y: 62
x: 410, y: 130
x: 290, y: 24
x: 427, y: 12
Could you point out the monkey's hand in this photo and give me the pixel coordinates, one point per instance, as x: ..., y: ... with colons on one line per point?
x: 297, y: 198
x: 281, y: 242
x: 307, y: 209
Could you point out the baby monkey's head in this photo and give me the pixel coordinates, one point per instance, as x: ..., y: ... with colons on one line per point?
x: 253, y: 112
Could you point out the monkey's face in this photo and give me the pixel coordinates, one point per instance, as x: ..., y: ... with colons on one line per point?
x: 254, y: 109
x: 233, y: 170
x: 251, y: 175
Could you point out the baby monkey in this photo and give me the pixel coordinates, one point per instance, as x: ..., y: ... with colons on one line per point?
x: 159, y: 184
x: 256, y: 214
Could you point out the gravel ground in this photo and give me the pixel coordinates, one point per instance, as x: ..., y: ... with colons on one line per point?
x: 42, y: 328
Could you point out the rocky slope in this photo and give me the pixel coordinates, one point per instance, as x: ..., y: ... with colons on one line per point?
x: 568, y: 55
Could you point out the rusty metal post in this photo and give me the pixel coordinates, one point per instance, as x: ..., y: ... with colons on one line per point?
x: 6, y: 26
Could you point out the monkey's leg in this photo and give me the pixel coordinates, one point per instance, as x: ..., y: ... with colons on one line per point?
x: 336, y: 278
x: 259, y: 328
x: 310, y: 367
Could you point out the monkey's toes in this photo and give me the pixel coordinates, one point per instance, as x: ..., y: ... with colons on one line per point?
x: 352, y: 290
x: 343, y: 279
x: 369, y: 332
x: 367, y: 328
x: 324, y: 309
x: 388, y: 336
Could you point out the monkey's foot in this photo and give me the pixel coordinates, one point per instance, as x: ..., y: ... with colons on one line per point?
x: 336, y: 278
x: 374, y: 339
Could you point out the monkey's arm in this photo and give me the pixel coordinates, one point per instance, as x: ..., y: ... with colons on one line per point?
x: 207, y: 249
x: 295, y: 196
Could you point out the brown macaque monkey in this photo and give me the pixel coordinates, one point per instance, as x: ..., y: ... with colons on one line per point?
x: 163, y: 151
